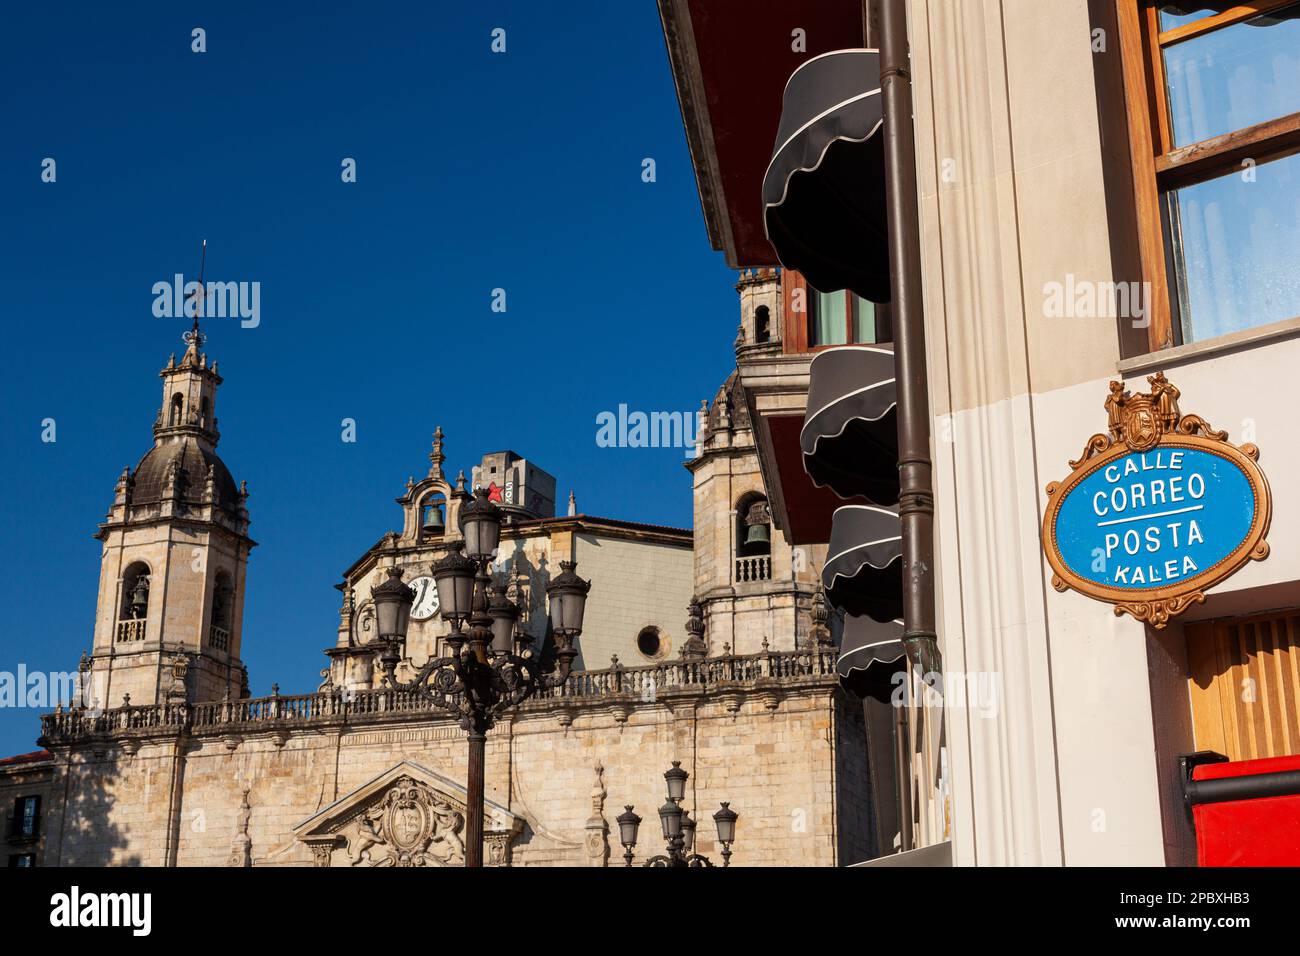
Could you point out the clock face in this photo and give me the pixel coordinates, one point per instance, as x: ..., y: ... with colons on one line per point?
x: 425, y: 604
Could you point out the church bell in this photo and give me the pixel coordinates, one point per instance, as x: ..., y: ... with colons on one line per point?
x: 433, y: 523
x: 140, y: 598
x: 757, y: 534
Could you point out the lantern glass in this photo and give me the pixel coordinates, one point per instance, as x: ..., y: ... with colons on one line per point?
x: 392, y: 601
x: 628, y: 822
x: 670, y: 818
x: 503, y: 614
x: 726, y: 823
x: 676, y: 780
x: 480, y: 523
x: 568, y: 598
x: 454, y: 575
x: 688, y: 833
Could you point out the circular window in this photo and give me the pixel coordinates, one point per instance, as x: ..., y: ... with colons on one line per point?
x: 651, y: 642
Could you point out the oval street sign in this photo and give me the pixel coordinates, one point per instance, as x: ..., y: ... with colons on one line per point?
x: 1157, y: 510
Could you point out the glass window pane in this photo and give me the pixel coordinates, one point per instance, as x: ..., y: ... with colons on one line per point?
x: 829, y: 318
x: 864, y: 324
x: 1170, y: 18
x: 1235, y: 242
x: 1234, y: 77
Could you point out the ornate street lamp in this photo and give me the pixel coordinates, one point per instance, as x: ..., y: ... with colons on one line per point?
x: 678, y: 828
x: 491, y: 667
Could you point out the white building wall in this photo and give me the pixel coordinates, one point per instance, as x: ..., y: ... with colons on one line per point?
x: 641, y: 583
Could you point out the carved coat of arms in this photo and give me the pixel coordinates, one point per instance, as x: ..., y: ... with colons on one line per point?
x: 411, y: 826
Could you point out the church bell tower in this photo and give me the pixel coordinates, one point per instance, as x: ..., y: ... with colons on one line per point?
x: 175, y: 542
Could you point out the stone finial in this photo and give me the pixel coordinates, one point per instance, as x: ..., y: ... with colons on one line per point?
x: 460, y: 482
x: 740, y: 336
x: 436, y: 457
x: 694, y: 646
x: 819, y: 634
x: 573, y: 505
x: 178, y: 692
x: 125, y: 485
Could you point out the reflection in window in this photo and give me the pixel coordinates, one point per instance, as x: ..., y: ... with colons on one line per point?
x: 1234, y: 77
x: 1234, y: 249
x: 829, y: 321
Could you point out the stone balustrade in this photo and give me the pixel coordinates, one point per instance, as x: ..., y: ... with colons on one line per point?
x: 644, y: 684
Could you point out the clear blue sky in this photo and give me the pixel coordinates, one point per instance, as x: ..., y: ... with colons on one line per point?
x: 475, y: 170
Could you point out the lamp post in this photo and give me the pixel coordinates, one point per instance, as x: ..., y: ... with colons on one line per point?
x: 678, y: 828
x: 491, y: 667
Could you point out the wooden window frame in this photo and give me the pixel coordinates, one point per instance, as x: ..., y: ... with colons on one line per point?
x: 796, y: 325
x: 1158, y: 167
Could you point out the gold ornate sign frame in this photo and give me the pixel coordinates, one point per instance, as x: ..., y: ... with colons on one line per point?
x: 1144, y: 422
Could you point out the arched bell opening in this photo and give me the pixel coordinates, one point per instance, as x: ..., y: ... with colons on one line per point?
x: 753, y: 527
x: 133, y: 604
x: 433, y: 516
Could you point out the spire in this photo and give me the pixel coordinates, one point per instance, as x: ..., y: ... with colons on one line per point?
x: 436, y: 457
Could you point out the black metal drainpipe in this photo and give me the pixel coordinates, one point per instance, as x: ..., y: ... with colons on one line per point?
x: 916, y: 491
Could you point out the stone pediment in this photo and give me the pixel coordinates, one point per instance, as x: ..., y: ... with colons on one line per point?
x: 406, y: 816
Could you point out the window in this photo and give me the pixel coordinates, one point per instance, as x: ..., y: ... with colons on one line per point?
x: 651, y: 642
x: 26, y: 821
x: 177, y: 409
x: 1214, y: 138
x: 762, y: 325
x: 223, y: 611
x: 26, y: 860
x: 825, y: 319
x: 840, y: 318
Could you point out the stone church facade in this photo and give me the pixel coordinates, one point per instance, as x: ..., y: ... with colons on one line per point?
x: 700, y: 647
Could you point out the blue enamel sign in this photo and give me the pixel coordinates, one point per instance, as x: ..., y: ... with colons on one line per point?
x: 1158, y: 508
x: 1155, y: 518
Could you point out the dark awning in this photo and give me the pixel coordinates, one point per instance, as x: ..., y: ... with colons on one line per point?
x: 871, y: 653
x: 1183, y: 8
x: 824, y: 190
x: 864, y: 561
x: 850, y: 431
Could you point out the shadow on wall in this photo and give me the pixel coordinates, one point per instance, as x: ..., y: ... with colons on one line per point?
x: 89, y: 837
x: 526, y: 582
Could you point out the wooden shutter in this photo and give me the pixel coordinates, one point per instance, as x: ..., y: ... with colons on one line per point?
x: 1245, y: 685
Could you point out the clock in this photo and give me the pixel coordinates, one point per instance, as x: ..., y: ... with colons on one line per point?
x: 425, y: 604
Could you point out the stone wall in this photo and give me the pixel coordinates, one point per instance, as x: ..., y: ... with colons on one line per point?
x: 791, y: 760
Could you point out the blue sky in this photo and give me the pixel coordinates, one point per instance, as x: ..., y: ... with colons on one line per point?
x: 475, y: 171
